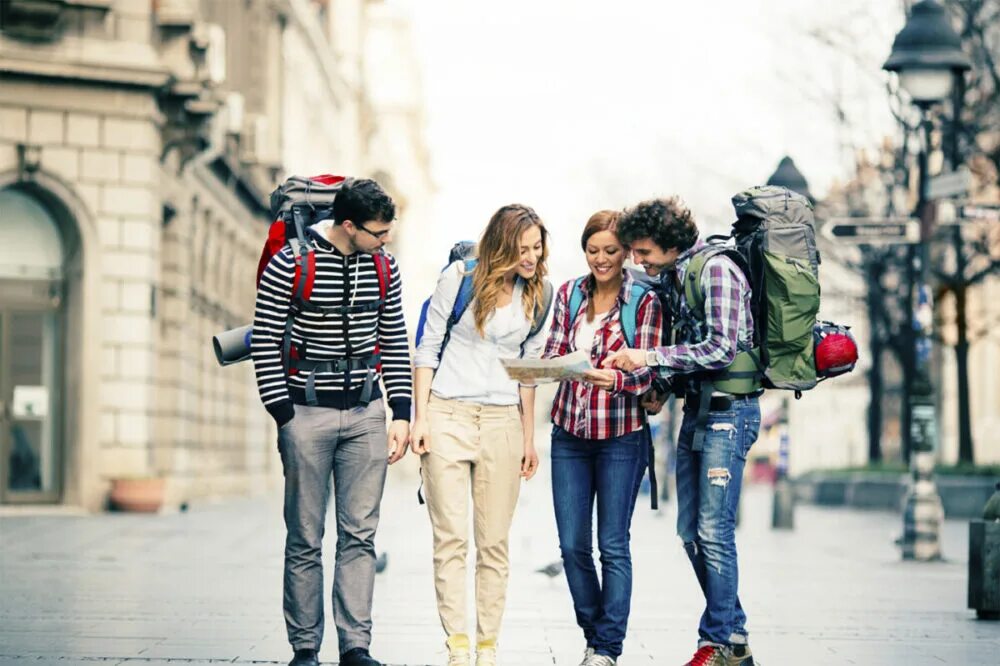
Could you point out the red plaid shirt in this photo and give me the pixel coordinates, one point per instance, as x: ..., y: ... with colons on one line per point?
x: 581, y: 409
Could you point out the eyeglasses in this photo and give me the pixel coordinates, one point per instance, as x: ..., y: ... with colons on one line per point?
x: 378, y: 235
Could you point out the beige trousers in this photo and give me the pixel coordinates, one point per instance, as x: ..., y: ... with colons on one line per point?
x: 479, y: 446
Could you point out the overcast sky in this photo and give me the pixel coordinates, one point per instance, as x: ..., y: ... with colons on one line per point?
x: 576, y: 106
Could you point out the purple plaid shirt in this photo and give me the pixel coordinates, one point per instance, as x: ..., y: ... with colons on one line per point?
x: 728, y: 325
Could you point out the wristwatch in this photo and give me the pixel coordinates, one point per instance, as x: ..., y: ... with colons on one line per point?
x: 652, y: 358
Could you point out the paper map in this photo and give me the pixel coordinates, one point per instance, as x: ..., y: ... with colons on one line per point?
x: 532, y: 371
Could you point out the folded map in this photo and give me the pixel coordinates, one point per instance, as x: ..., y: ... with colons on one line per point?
x: 538, y: 371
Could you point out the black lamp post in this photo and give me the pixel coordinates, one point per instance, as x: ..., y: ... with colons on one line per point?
x: 783, y: 505
x: 928, y: 58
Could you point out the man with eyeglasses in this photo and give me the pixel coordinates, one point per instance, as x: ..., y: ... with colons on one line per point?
x: 324, y: 393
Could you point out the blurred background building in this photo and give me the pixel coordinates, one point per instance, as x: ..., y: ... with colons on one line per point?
x: 139, y: 140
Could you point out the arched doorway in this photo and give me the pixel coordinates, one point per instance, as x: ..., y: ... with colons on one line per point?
x: 33, y: 256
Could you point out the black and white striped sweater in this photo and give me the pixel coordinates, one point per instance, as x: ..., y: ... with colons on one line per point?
x: 340, y: 280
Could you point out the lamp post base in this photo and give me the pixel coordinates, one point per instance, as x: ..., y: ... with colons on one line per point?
x: 783, y: 507
x: 922, y: 513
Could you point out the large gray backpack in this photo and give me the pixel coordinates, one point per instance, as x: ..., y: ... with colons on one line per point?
x: 775, y: 233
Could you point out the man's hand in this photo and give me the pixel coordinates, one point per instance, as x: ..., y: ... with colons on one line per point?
x: 420, y: 437
x: 529, y: 463
x: 653, y: 401
x: 627, y: 360
x: 399, y: 436
x: 602, y: 379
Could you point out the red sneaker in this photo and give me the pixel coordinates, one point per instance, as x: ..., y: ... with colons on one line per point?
x: 709, y: 655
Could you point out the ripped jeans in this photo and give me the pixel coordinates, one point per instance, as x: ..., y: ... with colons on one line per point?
x: 708, y: 493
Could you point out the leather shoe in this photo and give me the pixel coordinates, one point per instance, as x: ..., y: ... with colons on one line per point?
x: 305, y: 658
x: 358, y: 657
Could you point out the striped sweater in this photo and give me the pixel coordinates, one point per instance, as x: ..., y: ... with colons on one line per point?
x: 321, y: 336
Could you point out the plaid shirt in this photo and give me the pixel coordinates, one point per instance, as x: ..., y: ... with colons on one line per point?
x: 728, y: 325
x: 581, y: 409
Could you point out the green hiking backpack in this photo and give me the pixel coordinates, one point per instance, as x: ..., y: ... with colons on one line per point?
x: 774, y: 243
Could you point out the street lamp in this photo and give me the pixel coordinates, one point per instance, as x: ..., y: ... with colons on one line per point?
x: 783, y: 502
x: 927, y: 55
x: 928, y: 58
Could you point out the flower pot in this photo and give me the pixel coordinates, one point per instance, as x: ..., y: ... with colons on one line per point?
x: 137, y: 495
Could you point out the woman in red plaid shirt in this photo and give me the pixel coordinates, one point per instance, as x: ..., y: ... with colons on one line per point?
x: 598, y: 441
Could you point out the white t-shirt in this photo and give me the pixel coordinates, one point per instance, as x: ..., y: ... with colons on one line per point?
x: 587, y: 331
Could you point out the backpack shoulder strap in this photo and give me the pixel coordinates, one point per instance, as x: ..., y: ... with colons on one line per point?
x: 630, y: 311
x: 693, y: 294
x: 464, y: 296
x: 575, y: 299
x: 304, y: 256
x: 540, y: 314
x: 461, y: 304
x: 542, y: 309
x: 384, y: 272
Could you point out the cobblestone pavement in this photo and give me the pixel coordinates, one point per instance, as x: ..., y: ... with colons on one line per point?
x: 205, y: 586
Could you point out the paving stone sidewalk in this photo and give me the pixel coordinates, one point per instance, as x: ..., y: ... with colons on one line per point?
x: 205, y: 587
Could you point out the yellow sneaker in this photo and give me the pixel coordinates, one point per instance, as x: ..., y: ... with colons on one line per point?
x: 458, y: 650
x: 486, y: 653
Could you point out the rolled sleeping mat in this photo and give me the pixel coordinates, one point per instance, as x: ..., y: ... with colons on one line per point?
x: 233, y: 346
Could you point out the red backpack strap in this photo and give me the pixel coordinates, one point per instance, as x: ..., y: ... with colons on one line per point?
x: 305, y: 273
x: 305, y: 259
x: 384, y: 272
x: 276, y: 239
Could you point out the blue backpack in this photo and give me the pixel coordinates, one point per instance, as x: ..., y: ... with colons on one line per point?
x: 629, y: 311
x: 465, y: 251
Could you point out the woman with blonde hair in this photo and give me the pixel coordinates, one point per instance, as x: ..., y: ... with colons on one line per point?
x: 598, y: 440
x: 474, y: 426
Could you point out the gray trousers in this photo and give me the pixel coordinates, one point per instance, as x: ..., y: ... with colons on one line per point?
x: 350, y: 445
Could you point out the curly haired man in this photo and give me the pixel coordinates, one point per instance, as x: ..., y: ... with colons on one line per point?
x: 719, y: 425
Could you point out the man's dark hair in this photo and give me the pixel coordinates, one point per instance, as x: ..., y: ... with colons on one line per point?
x: 666, y: 221
x: 362, y: 200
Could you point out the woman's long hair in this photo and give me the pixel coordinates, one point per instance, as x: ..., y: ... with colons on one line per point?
x: 499, y: 253
x: 602, y: 220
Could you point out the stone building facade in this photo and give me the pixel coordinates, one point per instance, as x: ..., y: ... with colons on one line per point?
x: 138, y: 142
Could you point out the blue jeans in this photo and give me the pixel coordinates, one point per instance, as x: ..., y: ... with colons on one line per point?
x: 609, y: 470
x: 708, y: 493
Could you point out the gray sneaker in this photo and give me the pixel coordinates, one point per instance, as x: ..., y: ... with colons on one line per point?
x: 599, y: 660
x: 587, y: 654
x: 740, y: 655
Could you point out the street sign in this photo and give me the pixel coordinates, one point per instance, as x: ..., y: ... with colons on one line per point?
x: 951, y: 184
x: 987, y: 212
x: 872, y: 231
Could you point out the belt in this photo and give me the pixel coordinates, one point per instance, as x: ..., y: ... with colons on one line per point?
x: 704, y: 403
x: 718, y: 403
x: 338, y: 365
